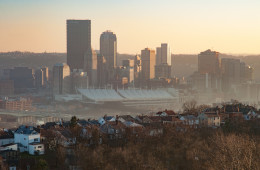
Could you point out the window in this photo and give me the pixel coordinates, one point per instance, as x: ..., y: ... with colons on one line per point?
x: 24, y: 138
x: 39, y: 146
x: 36, y: 140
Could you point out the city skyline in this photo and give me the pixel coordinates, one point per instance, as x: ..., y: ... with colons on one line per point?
x: 188, y: 26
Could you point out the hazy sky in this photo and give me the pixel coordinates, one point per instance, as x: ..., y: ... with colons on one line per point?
x: 189, y: 26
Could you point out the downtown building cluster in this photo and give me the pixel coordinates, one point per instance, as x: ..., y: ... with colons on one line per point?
x: 223, y: 77
x: 92, y: 69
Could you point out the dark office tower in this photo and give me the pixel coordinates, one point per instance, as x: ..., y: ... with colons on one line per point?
x: 108, y: 48
x: 208, y: 62
x: 78, y: 42
x: 23, y: 78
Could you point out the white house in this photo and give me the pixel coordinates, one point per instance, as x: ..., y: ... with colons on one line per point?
x: 189, y: 120
x: 12, y: 146
x: 24, y: 136
x: 105, y: 119
x: 36, y: 148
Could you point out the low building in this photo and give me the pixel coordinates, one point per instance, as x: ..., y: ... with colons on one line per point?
x: 16, y: 103
x: 210, y: 120
x: 28, y: 140
x: 36, y: 148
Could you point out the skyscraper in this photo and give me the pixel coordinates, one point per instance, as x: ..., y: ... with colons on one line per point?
x: 108, y: 48
x: 163, y: 54
x: 208, y: 62
x: 163, y: 61
x: 231, y: 73
x: 158, y: 56
x: 148, y: 63
x: 90, y: 66
x: 78, y: 42
x: 61, y: 78
x: 166, y: 54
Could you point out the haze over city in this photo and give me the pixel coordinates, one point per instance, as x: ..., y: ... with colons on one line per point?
x: 189, y: 26
x: 129, y: 84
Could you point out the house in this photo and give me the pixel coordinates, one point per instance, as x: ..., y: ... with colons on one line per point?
x: 11, y: 146
x: 114, y: 130
x: 166, y: 113
x: 250, y: 115
x: 36, y: 148
x: 105, y: 119
x: 88, y: 127
x: 25, y: 137
x: 6, y: 137
x: 209, y: 119
x: 171, y: 120
x: 127, y: 118
x: 190, y: 120
x: 144, y: 119
x: 65, y: 137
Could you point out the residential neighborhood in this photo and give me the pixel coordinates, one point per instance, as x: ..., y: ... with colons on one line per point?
x: 114, y: 131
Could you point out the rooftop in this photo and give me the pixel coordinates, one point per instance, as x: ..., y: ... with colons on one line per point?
x: 27, y: 130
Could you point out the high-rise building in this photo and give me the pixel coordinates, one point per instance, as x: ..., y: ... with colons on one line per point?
x: 163, y: 61
x: 208, y: 62
x: 78, y: 42
x: 61, y: 79
x: 163, y: 54
x: 39, y: 79
x: 234, y: 72
x: 45, y: 72
x: 102, y: 73
x: 108, y: 48
x: 162, y: 71
x: 166, y: 54
x: 158, y: 56
x: 90, y: 66
x: 23, y: 78
x: 230, y: 69
x: 148, y: 63
x: 137, y: 70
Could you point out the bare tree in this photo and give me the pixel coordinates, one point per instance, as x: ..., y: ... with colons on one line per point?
x: 189, y: 106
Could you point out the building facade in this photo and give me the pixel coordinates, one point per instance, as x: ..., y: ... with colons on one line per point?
x: 61, y: 78
x: 78, y: 42
x: 108, y: 48
x: 148, y: 63
x: 208, y: 62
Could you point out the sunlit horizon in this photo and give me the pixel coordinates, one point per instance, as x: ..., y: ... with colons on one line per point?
x: 189, y: 27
